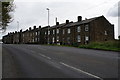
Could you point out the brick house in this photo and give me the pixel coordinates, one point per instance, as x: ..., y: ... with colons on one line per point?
x: 97, y: 29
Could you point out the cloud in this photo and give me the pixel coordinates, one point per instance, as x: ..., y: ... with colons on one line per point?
x: 114, y: 11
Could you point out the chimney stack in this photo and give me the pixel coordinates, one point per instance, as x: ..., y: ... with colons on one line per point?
x: 67, y: 21
x: 79, y: 18
x: 34, y: 27
x: 29, y: 28
x: 21, y: 30
x: 39, y: 26
x: 57, y: 23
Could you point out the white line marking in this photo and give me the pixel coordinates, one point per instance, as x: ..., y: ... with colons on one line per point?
x: 45, y: 56
x: 81, y: 71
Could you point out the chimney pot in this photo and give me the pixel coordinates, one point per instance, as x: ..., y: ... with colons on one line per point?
x: 39, y: 26
x: 67, y: 21
x: 29, y: 28
x: 79, y: 18
x: 34, y: 27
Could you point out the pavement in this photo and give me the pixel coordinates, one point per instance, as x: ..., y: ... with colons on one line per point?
x: 40, y: 61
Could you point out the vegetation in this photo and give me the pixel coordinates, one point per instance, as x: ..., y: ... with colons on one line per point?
x: 109, y: 45
x: 6, y: 18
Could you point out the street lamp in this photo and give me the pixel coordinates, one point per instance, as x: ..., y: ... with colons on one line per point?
x: 48, y: 23
x: 17, y: 32
x: 48, y: 15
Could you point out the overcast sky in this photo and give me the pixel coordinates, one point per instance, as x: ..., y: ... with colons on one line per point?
x: 33, y: 12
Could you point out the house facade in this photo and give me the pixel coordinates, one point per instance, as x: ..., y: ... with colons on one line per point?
x: 97, y: 29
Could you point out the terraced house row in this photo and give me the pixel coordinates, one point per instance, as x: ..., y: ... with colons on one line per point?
x: 97, y: 29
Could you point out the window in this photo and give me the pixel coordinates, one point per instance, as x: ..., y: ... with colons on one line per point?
x: 45, y: 33
x: 36, y: 34
x: 53, y: 31
x: 53, y: 39
x: 86, y: 38
x: 48, y: 32
x: 68, y: 39
x: 33, y: 40
x: 68, y: 31
x: 78, y: 29
x: 57, y: 38
x: 105, y: 32
x: 78, y: 38
x: 30, y: 34
x: 36, y: 39
x: 86, y: 27
x: 23, y: 35
x: 57, y: 31
x: 63, y: 31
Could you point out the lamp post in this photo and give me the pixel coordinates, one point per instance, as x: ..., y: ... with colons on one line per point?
x: 17, y: 25
x: 48, y: 23
x: 17, y: 32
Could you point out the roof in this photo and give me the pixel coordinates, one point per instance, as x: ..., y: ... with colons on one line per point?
x: 81, y: 22
x: 75, y: 23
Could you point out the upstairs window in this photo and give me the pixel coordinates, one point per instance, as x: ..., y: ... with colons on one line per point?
x: 53, y: 31
x: 23, y: 35
x: 63, y: 31
x: 48, y: 32
x: 86, y: 27
x: 68, y: 31
x: 45, y: 33
x: 36, y: 33
x: 57, y: 31
x: 106, y: 33
x: 78, y: 29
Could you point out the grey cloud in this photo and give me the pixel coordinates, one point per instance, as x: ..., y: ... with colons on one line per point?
x: 114, y: 11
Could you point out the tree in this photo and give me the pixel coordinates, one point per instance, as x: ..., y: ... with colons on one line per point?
x: 6, y: 18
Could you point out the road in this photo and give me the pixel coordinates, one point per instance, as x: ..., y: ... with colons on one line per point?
x: 40, y: 61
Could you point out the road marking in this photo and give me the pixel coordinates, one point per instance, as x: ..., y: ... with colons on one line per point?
x: 45, y: 56
x: 81, y: 71
x: 41, y: 54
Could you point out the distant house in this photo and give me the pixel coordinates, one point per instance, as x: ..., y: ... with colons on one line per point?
x: 97, y: 29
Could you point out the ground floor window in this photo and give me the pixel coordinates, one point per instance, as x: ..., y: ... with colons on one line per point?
x: 57, y: 38
x: 78, y: 38
x: 53, y: 39
x: 68, y: 39
x: 86, y: 38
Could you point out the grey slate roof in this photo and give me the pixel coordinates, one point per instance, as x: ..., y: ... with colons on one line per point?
x: 75, y: 23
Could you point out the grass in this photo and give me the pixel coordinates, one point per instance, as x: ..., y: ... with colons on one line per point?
x: 108, y: 45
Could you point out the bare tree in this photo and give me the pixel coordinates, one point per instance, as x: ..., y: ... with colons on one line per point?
x: 5, y: 17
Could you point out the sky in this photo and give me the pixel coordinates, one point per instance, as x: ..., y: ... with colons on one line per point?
x: 31, y: 13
